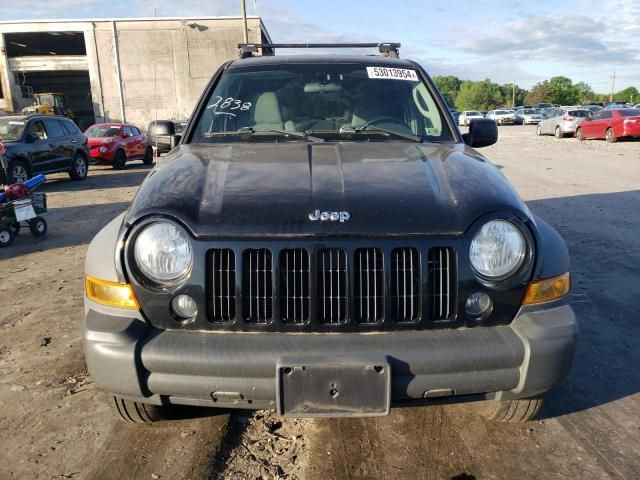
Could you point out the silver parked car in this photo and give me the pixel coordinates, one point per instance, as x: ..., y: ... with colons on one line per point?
x: 465, y: 117
x: 502, y: 117
x: 562, y: 121
x: 528, y: 116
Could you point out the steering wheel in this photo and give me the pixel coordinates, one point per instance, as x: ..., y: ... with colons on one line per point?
x: 382, y: 119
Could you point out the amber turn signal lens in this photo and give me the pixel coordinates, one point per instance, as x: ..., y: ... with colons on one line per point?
x: 110, y: 293
x: 547, y: 290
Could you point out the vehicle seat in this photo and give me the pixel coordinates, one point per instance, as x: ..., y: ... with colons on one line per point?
x: 268, y: 115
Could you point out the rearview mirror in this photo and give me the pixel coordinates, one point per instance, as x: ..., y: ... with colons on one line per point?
x: 482, y: 133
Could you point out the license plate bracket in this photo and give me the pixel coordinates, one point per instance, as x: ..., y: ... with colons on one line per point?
x: 333, y: 387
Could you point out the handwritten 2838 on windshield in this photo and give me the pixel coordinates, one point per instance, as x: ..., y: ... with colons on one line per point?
x: 229, y: 103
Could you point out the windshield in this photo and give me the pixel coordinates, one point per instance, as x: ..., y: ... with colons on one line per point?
x: 99, y: 131
x: 530, y: 111
x: 325, y: 99
x: 630, y: 112
x: 11, y: 129
x: 501, y: 112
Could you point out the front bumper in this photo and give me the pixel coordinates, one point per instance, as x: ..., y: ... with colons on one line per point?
x: 95, y: 154
x: 131, y: 359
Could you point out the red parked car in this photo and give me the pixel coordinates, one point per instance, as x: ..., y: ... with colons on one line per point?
x: 118, y: 143
x: 611, y: 125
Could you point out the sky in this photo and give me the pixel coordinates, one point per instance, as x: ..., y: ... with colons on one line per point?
x: 503, y: 40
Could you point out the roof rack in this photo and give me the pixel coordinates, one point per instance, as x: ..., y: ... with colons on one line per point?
x: 389, y: 49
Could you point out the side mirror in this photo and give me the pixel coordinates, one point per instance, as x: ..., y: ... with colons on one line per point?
x: 482, y: 133
x: 174, y: 140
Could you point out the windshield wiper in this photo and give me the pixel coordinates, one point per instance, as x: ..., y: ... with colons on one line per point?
x: 406, y: 136
x: 299, y: 135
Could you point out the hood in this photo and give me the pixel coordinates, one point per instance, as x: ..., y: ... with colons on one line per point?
x: 386, y: 188
x: 97, y: 141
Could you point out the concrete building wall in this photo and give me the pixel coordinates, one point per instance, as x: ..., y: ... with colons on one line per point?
x: 164, y: 64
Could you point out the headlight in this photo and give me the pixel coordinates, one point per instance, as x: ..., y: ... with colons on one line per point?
x: 163, y: 252
x: 498, y: 249
x: 102, y: 149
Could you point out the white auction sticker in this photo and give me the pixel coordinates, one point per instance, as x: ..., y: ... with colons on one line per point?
x: 392, y: 73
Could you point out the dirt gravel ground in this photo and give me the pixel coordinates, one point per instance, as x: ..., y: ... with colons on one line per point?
x: 54, y: 424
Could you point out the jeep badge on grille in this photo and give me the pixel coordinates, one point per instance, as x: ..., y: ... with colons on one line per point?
x: 341, y: 216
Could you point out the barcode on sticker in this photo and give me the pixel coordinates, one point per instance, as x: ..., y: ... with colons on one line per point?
x: 392, y: 73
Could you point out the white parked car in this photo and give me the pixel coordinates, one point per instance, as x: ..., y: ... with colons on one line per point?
x: 502, y: 117
x: 468, y: 115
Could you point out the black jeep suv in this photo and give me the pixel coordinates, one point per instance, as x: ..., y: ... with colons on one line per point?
x: 325, y: 242
x: 42, y: 144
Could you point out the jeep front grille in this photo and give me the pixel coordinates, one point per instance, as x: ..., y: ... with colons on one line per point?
x: 405, y: 284
x: 332, y: 285
x: 294, y: 285
x: 442, y: 276
x: 222, y: 273
x: 322, y: 287
x: 257, y: 286
x: 368, y: 285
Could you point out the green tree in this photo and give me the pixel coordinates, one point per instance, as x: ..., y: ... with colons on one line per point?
x: 539, y: 93
x: 629, y: 94
x: 507, y: 95
x: 483, y: 95
x: 449, y: 87
x: 584, y: 93
x: 562, y: 91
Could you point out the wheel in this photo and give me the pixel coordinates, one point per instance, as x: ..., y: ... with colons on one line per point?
x: 135, y: 412
x: 580, y: 135
x: 38, y: 226
x: 559, y: 133
x: 119, y: 160
x: 148, y: 156
x: 18, y: 172
x: 538, y: 130
x: 6, y: 236
x: 79, y: 167
x: 512, y: 411
x: 610, y: 136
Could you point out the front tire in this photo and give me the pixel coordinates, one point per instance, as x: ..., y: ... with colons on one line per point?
x: 79, y: 167
x: 119, y: 160
x: 538, y: 130
x: 6, y: 236
x: 18, y: 172
x: 136, y: 412
x: 511, y: 411
x: 610, y: 136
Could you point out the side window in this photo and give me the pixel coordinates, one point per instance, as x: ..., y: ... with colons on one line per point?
x: 607, y: 114
x: 70, y: 127
x: 135, y: 131
x: 37, y: 129
x: 128, y: 131
x: 54, y: 130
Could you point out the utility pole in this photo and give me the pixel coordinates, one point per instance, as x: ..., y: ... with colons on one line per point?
x: 513, y: 95
x: 244, y: 21
x: 613, y: 84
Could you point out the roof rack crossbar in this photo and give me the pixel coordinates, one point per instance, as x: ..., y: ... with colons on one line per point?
x: 389, y: 49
